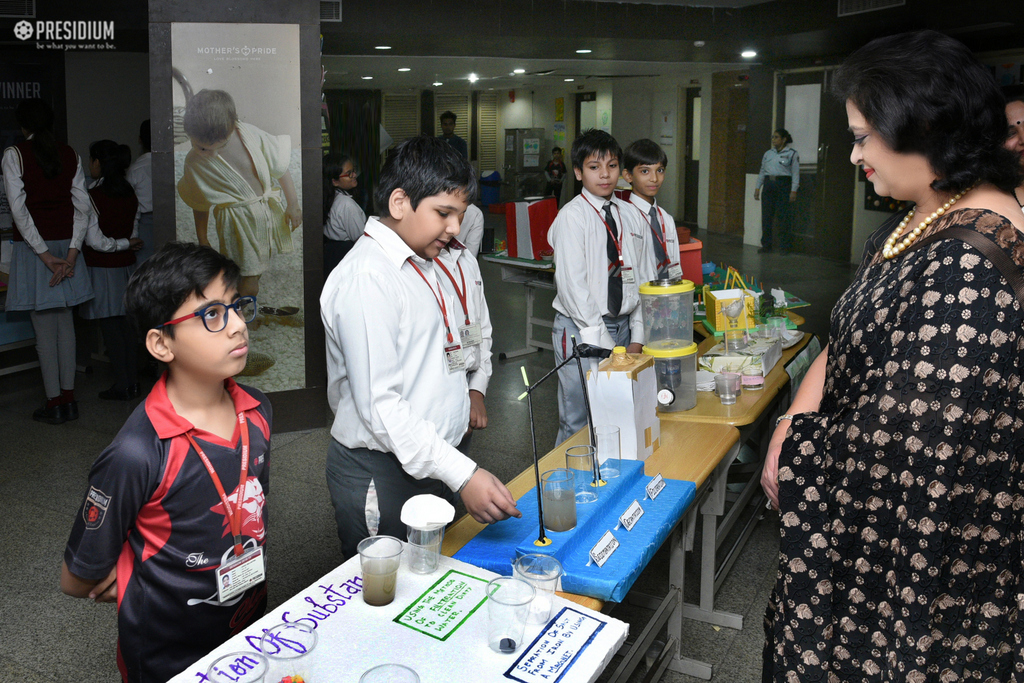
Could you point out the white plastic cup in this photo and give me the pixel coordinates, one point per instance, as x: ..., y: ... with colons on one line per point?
x: 542, y: 572
x: 726, y: 389
x: 609, y: 450
x: 508, y: 609
x: 379, y: 558
x: 238, y: 667
x: 777, y: 327
x: 425, y: 548
x: 288, y: 648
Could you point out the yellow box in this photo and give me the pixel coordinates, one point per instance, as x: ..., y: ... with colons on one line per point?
x: 716, y: 301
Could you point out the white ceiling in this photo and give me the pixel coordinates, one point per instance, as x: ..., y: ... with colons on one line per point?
x: 496, y: 73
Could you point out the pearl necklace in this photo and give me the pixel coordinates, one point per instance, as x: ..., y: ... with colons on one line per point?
x: 891, y: 249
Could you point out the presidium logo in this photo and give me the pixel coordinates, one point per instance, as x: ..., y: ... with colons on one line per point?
x: 72, y: 34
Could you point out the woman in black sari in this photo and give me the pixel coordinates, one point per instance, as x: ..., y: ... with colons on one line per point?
x: 897, y: 469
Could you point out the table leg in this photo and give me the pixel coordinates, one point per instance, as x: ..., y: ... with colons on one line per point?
x: 532, y: 345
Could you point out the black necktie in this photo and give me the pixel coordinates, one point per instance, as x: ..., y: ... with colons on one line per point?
x: 659, y: 249
x: 614, y: 266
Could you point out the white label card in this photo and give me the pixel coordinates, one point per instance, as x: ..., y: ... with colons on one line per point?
x: 604, y: 549
x: 631, y: 516
x: 655, y: 487
x: 240, y: 573
x: 628, y: 277
x: 675, y: 271
x: 453, y: 358
x: 471, y: 334
x: 557, y: 648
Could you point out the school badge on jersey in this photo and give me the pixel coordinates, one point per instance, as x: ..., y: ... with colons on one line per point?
x: 95, y: 509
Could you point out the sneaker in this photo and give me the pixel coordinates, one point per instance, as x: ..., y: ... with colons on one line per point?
x: 51, y: 415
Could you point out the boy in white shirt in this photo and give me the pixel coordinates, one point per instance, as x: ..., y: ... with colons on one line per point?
x: 471, y: 234
x: 644, y: 170
x: 396, y: 372
x: 598, y: 247
x: 461, y: 279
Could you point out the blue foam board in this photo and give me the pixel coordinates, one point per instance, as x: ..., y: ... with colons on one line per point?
x: 497, y: 546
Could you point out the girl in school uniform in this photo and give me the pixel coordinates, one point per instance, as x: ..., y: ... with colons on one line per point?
x: 111, y: 243
x: 343, y: 219
x: 50, y: 206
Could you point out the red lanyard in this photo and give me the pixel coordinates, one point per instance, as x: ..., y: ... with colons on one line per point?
x: 440, y: 299
x: 234, y: 514
x: 618, y: 242
x: 661, y: 238
x: 461, y: 294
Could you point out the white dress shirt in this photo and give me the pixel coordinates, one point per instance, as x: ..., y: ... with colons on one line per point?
x: 579, y: 239
x: 478, y: 357
x: 16, y: 197
x: 140, y: 175
x: 471, y: 231
x: 388, y: 384
x: 346, y: 220
x: 666, y: 227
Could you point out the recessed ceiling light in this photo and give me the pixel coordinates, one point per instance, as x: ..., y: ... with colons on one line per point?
x: 367, y: 78
x: 438, y: 84
x: 405, y: 68
x: 584, y: 51
x: 748, y: 54
x: 518, y: 71
x: 382, y: 47
x: 569, y: 80
x: 473, y: 78
x: 698, y: 43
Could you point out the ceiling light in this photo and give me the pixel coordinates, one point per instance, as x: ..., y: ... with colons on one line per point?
x: 367, y: 78
x: 698, y: 43
x: 518, y: 71
x: 569, y: 80
x: 382, y: 47
x: 584, y: 51
x: 438, y: 84
x: 405, y: 68
x: 473, y: 78
x: 748, y: 54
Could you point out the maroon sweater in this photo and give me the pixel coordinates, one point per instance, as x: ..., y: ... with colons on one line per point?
x: 117, y: 220
x: 48, y: 200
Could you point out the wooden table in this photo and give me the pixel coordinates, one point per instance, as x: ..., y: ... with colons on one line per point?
x: 688, y: 452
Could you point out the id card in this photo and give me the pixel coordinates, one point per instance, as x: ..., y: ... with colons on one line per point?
x: 675, y: 272
x: 628, y: 277
x: 240, y: 573
x: 471, y: 335
x: 453, y: 358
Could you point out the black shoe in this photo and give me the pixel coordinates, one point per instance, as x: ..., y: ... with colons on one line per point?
x: 764, y: 250
x: 115, y: 393
x: 69, y: 411
x: 51, y: 415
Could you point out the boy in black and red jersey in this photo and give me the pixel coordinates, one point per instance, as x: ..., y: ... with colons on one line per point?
x: 177, y: 501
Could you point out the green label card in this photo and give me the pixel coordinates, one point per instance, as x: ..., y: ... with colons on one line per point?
x: 445, y: 606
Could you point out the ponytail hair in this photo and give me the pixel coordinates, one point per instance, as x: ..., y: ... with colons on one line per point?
x: 36, y: 116
x: 113, y: 166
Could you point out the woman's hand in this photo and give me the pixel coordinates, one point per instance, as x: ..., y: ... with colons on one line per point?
x: 770, y: 473
x: 134, y: 244
x: 56, y: 266
x: 757, y: 194
x: 792, y: 197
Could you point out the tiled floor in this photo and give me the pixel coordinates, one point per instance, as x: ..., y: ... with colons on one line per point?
x: 48, y: 637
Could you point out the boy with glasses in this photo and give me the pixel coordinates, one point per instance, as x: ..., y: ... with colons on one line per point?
x: 176, y: 503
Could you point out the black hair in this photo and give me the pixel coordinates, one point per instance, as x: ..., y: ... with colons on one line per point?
x: 784, y: 134
x: 113, y: 166
x: 557, y: 149
x: 334, y: 163
x: 36, y: 116
x: 448, y: 115
x: 144, y: 136
x: 164, y: 281
x: 643, y: 152
x: 424, y: 166
x: 1013, y: 93
x: 594, y: 141
x: 925, y: 93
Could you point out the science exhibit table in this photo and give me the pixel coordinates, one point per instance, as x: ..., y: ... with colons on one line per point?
x: 436, y: 625
x: 533, y: 275
x: 753, y: 415
x: 688, y: 458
